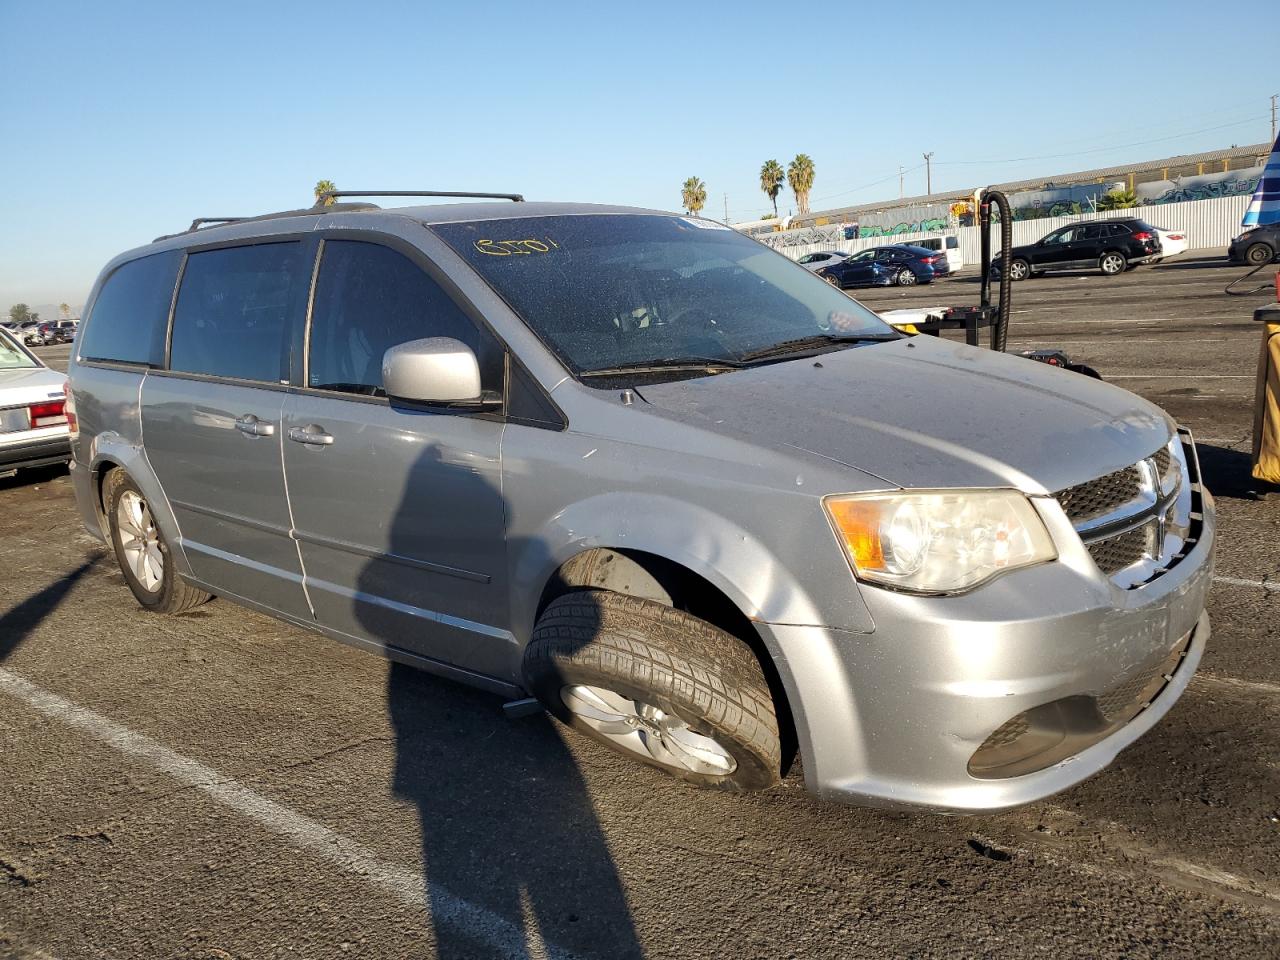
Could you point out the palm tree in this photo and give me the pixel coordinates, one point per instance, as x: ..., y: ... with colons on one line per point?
x: 322, y: 187
x: 772, y: 177
x: 1118, y: 200
x: 800, y: 176
x: 694, y: 195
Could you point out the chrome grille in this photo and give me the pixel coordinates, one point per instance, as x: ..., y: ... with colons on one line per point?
x: 1103, y: 495
x: 1115, y: 553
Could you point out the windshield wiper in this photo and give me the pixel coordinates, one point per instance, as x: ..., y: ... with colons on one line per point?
x: 667, y: 365
x: 801, y: 344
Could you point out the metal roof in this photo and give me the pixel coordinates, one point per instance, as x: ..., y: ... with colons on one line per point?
x: 1258, y: 150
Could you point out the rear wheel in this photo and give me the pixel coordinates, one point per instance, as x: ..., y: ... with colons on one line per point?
x: 1259, y: 253
x: 657, y: 685
x: 142, y: 550
x: 1112, y: 263
x: 905, y: 278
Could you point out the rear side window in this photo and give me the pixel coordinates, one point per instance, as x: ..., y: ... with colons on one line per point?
x: 131, y: 312
x: 237, y: 309
x: 953, y: 243
x: 370, y: 298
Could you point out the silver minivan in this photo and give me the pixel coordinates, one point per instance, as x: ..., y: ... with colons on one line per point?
x: 705, y: 508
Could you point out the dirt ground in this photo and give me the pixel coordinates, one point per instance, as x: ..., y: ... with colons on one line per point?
x: 223, y: 785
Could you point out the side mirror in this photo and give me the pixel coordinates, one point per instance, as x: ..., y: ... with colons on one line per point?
x: 434, y: 370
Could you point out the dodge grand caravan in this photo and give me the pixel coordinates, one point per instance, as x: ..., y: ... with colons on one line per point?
x: 705, y: 508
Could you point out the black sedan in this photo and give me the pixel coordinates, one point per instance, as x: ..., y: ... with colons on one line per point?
x: 899, y: 265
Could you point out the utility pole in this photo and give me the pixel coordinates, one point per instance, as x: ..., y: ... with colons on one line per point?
x: 928, y: 172
x: 901, y: 170
x: 1273, y: 116
x: 726, y: 209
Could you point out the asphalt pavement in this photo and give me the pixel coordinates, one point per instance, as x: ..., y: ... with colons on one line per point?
x: 223, y: 785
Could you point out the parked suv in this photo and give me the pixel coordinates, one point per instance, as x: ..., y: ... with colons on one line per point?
x: 659, y: 477
x: 1110, y: 246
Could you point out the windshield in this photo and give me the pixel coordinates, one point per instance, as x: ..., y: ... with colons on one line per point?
x: 12, y: 356
x: 607, y: 291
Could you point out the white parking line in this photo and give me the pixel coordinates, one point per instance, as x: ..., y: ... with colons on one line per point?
x: 503, y: 937
x: 1269, y: 585
x: 1181, y: 376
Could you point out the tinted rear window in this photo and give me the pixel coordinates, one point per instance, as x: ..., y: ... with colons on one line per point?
x: 237, y: 310
x: 132, y: 310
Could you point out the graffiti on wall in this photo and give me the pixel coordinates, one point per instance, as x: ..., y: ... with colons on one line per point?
x: 1232, y: 183
x: 893, y: 230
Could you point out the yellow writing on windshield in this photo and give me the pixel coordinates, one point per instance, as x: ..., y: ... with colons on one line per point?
x: 512, y: 248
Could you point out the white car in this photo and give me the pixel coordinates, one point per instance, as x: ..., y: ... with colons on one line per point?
x: 33, y: 409
x: 824, y: 258
x: 1172, y: 243
x: 949, y: 245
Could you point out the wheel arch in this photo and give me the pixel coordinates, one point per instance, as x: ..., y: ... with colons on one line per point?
x: 111, y: 452
x: 650, y: 576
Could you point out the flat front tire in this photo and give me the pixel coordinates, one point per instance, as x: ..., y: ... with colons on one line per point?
x: 657, y: 685
x: 1259, y: 253
x: 142, y: 550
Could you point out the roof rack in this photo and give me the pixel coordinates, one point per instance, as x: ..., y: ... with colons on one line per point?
x: 202, y: 222
x: 330, y: 194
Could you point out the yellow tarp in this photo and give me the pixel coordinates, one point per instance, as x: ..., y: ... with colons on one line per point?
x: 1266, y: 416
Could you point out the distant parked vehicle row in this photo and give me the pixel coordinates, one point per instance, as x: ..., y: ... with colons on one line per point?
x: 900, y: 265
x: 42, y: 333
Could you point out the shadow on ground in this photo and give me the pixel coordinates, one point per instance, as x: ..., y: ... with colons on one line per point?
x: 1228, y: 473
x: 513, y: 854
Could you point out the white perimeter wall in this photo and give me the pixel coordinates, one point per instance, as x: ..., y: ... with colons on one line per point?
x: 1207, y: 223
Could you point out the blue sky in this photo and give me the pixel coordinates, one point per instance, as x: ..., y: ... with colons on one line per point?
x: 123, y: 121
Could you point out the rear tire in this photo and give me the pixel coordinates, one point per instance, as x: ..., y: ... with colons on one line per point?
x: 1113, y: 263
x: 142, y: 550
x: 1259, y: 253
x: 905, y: 278
x: 657, y: 685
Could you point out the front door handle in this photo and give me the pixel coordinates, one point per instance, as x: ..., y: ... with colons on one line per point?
x: 253, y: 427
x: 312, y: 434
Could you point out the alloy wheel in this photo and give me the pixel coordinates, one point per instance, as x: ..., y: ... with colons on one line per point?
x: 140, y: 540
x: 634, y: 726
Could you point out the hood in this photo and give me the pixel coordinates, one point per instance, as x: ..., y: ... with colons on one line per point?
x: 924, y: 412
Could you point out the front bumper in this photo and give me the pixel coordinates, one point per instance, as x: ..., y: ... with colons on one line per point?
x: 895, y: 718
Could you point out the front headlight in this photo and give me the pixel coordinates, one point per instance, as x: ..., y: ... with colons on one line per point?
x: 938, y: 541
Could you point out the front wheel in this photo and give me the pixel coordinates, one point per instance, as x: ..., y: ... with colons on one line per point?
x: 832, y: 279
x: 905, y: 278
x: 142, y: 550
x: 656, y: 685
x: 1112, y: 263
x: 1019, y: 269
x: 1259, y: 253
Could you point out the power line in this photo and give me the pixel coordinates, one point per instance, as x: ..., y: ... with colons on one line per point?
x: 1117, y: 146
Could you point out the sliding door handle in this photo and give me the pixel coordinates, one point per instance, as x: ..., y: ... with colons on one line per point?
x: 253, y: 427
x: 312, y: 435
